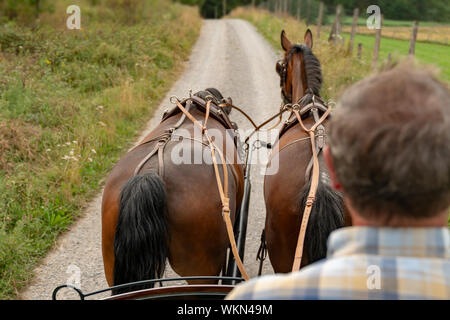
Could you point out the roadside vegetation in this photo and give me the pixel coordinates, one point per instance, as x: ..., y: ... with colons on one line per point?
x: 339, y: 69
x: 72, y: 102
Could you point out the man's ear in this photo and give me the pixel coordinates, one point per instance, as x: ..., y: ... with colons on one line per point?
x: 285, y: 43
x: 308, y: 39
x: 330, y: 165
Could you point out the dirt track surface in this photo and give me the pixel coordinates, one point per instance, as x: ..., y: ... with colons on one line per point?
x: 231, y: 56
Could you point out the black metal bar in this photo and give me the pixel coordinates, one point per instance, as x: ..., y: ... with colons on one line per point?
x: 143, y: 282
x: 80, y: 293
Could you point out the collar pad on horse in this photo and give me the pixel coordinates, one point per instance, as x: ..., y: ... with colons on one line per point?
x: 215, y: 111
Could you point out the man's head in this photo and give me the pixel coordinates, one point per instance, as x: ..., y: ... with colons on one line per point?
x: 390, y: 146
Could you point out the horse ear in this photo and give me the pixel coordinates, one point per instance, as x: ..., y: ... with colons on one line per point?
x: 308, y: 40
x: 285, y: 43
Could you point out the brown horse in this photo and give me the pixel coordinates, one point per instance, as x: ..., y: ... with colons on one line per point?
x: 155, y: 208
x: 285, y: 192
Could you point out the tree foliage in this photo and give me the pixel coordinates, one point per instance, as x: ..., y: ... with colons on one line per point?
x: 25, y: 11
x: 214, y: 8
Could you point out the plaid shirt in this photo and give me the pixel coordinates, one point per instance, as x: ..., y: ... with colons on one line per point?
x: 366, y: 263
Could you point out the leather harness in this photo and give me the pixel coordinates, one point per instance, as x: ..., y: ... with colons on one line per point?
x: 212, y: 108
x: 308, y: 105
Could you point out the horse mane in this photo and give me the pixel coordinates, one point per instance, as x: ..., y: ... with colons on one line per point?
x: 312, y: 67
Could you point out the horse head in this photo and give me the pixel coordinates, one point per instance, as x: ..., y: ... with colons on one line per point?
x: 299, y: 70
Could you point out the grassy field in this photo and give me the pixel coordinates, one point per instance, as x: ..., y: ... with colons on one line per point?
x: 395, y: 39
x: 71, y: 102
x: 431, y: 34
x: 429, y: 53
x: 348, y: 20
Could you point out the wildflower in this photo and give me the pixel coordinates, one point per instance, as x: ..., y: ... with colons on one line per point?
x: 48, y: 150
x: 48, y: 61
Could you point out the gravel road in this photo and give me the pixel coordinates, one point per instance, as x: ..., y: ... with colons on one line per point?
x: 229, y: 55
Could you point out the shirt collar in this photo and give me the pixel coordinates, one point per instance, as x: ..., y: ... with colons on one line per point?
x: 411, y: 242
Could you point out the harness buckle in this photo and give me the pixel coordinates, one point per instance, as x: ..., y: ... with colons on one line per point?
x: 226, y: 206
x: 320, y: 136
x: 310, y: 201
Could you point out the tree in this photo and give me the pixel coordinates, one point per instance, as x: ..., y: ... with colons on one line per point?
x: 24, y: 10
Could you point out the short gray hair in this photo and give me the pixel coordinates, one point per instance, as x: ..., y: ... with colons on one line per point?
x: 390, y: 144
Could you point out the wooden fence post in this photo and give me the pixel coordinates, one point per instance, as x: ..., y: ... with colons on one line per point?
x: 412, y: 45
x: 224, y: 7
x: 359, y: 50
x: 354, y: 24
x: 376, y: 49
x: 319, y: 20
x: 336, y: 28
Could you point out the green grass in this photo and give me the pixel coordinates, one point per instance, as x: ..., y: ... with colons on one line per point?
x: 429, y: 53
x: 71, y: 103
x: 362, y: 20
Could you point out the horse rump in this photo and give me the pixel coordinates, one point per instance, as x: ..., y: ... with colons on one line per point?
x: 140, y: 243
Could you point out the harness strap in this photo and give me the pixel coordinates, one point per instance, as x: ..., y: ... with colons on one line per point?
x: 223, y: 188
x: 159, y: 147
x: 156, y: 149
x: 312, y: 191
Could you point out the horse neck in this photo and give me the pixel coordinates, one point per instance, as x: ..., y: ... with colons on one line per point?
x: 298, y: 79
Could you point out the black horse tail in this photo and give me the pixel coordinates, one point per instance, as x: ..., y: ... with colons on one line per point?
x: 140, y: 243
x: 327, y: 215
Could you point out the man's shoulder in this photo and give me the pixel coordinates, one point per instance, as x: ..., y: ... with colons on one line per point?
x: 354, y: 277
x: 282, y: 286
